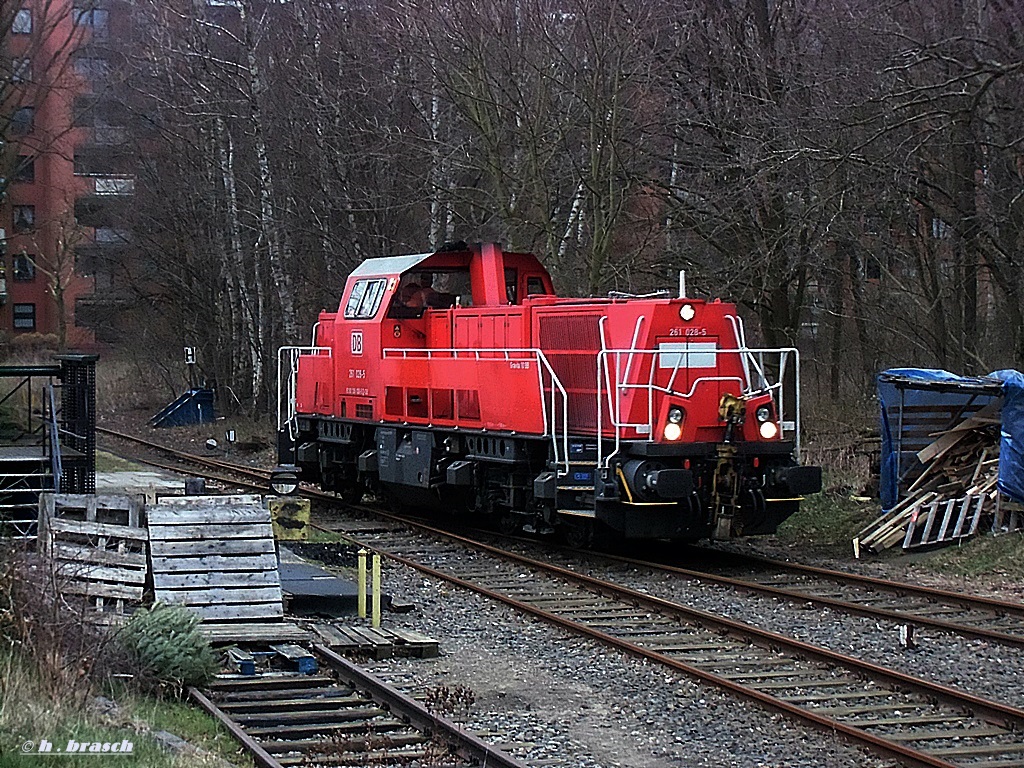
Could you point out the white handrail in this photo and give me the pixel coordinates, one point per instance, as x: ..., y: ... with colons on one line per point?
x: 748, y: 356
x: 286, y: 387
x: 561, y: 452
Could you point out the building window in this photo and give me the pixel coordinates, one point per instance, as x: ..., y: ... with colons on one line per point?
x: 23, y: 121
x: 91, y: 68
x: 24, y: 268
x: 115, y: 186
x: 25, y: 169
x: 24, y: 218
x: 22, y: 22
x: 24, y: 317
x: 94, y: 18
x: 941, y: 230
x: 112, y: 235
x: 21, y: 70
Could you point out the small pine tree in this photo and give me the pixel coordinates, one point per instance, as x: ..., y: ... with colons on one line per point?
x: 170, y: 650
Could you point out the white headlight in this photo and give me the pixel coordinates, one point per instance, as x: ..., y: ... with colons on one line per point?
x: 764, y: 413
x: 769, y: 430
x: 687, y: 312
x: 673, y: 431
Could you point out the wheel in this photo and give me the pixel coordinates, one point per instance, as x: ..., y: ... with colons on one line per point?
x: 352, y: 493
x: 578, y: 532
x: 508, y: 523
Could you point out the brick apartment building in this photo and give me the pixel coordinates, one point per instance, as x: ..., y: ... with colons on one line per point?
x: 61, y: 159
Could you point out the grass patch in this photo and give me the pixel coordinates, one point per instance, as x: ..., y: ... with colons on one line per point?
x: 320, y: 536
x: 108, y: 462
x: 982, y: 556
x: 188, y: 722
x: 829, y: 520
x: 28, y: 714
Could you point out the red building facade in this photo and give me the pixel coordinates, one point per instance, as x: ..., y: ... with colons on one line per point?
x: 51, y: 47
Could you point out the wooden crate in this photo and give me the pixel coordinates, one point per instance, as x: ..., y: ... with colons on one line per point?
x: 215, y: 555
x: 97, y: 547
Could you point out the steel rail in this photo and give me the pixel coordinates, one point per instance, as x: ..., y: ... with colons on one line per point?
x: 908, y: 755
x: 398, y: 705
x: 967, y: 602
x: 1011, y: 716
x: 418, y: 716
x: 259, y: 479
x: 886, y: 584
x: 253, y: 473
x: 259, y: 755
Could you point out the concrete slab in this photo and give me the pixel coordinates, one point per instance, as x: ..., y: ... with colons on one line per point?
x: 148, y: 483
x: 313, y: 591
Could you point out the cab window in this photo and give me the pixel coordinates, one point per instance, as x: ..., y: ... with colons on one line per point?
x: 534, y: 285
x: 511, y: 285
x: 441, y: 289
x: 364, y: 301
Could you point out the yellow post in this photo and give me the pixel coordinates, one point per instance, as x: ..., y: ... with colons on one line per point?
x: 361, y: 585
x: 376, y: 590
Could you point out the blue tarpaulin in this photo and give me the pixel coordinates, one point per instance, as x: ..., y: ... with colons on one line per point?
x: 917, y: 402
x: 1011, y: 442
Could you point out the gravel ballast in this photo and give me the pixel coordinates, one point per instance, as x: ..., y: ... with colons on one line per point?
x: 558, y: 699
x: 988, y: 669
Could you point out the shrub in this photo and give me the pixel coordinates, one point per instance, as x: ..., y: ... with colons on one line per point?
x: 39, y: 617
x: 168, y: 647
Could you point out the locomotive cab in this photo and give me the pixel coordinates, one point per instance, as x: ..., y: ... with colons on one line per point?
x: 457, y: 379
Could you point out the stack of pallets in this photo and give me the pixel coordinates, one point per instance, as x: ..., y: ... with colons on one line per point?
x: 955, y: 489
x: 96, y: 546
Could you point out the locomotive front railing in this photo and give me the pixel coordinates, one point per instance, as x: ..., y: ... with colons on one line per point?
x: 756, y: 364
x: 287, y: 378
x: 557, y: 429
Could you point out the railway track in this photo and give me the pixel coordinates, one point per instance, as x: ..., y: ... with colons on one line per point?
x: 965, y: 615
x: 347, y: 717
x: 968, y: 616
x: 971, y: 616
x: 915, y: 720
x: 209, y: 467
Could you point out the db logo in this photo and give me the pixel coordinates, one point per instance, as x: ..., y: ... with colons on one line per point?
x: 357, y: 342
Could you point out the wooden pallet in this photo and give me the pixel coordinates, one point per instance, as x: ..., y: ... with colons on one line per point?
x: 97, y: 546
x: 215, y: 555
x: 253, y: 633
x: 944, y: 520
x: 379, y: 643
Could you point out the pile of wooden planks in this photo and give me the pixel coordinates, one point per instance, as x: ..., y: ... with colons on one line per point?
x: 96, y: 546
x: 956, y: 488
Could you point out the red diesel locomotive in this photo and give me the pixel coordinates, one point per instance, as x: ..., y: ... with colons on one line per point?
x: 459, y: 380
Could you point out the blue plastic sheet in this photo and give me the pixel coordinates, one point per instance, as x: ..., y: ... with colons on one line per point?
x: 900, y: 388
x: 1011, y: 443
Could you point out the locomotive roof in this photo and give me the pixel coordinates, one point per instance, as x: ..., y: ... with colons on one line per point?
x: 390, y: 265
